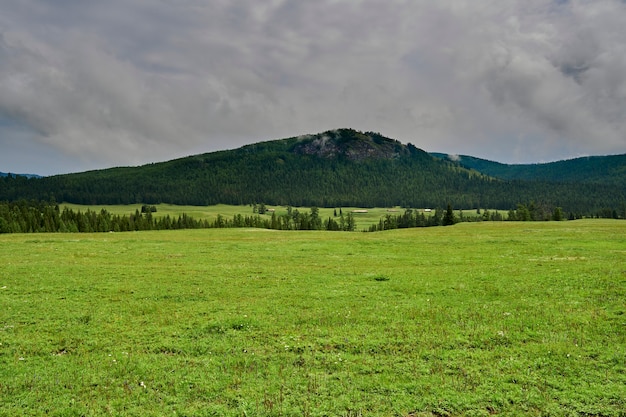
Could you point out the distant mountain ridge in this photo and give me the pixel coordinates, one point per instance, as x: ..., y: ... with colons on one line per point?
x: 6, y: 174
x: 610, y: 169
x: 341, y: 167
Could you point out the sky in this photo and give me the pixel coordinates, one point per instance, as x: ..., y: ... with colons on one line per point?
x: 91, y: 84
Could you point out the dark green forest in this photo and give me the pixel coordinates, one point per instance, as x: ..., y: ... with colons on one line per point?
x: 332, y: 169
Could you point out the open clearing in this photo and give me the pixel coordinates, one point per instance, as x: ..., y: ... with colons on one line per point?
x: 364, y: 218
x: 476, y: 319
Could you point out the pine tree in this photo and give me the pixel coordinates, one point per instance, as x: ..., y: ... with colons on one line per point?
x: 557, y: 215
x: 448, y: 217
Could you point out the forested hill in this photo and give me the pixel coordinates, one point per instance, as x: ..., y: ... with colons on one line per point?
x: 336, y: 168
x: 609, y: 169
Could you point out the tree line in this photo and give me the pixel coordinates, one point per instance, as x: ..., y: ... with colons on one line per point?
x: 43, y: 217
x: 523, y: 212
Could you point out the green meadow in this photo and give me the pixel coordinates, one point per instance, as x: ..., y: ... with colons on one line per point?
x: 476, y: 319
x: 364, y: 217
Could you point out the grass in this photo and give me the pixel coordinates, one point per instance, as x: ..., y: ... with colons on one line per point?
x: 363, y: 220
x: 476, y: 319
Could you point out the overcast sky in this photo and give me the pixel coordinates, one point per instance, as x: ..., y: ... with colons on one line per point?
x: 88, y: 84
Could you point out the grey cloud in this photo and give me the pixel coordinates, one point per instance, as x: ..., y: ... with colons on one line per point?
x: 133, y: 81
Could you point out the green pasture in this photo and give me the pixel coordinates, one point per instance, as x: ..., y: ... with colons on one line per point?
x: 364, y: 217
x: 476, y: 319
x: 363, y: 220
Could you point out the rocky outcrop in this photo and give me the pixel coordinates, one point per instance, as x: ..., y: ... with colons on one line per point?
x: 350, y: 144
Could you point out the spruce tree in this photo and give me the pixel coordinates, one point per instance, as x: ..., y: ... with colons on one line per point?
x: 448, y: 218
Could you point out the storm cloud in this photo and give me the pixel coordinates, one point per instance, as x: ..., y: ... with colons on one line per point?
x: 92, y: 84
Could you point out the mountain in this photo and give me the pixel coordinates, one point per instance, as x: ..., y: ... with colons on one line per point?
x: 336, y: 168
x: 609, y: 169
x: 6, y: 174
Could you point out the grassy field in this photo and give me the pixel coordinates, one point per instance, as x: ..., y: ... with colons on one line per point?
x: 363, y: 219
x: 476, y: 319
